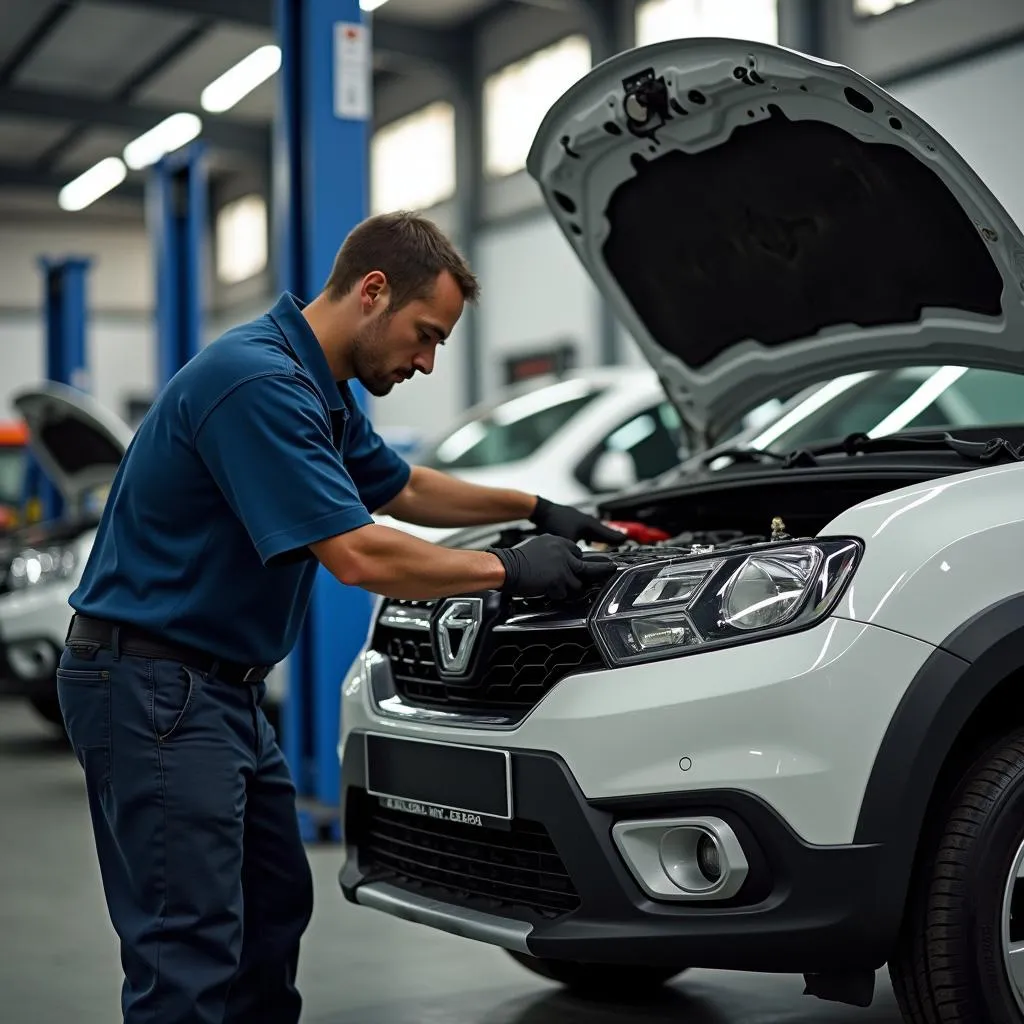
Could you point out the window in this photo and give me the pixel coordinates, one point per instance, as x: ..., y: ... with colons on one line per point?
x: 658, y: 20
x: 517, y: 98
x: 241, y: 239
x: 412, y: 160
x: 645, y: 446
x: 867, y: 8
x: 912, y: 398
x: 513, y: 430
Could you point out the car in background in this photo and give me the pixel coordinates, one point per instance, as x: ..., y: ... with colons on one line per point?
x: 786, y: 734
x: 78, y: 444
x: 593, y: 432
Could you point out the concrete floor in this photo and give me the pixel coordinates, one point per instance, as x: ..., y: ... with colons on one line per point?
x: 60, y: 962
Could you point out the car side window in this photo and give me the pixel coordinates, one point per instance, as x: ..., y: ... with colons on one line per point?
x: 651, y: 440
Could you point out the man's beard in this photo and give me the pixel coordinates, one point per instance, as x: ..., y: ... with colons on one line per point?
x: 368, y: 359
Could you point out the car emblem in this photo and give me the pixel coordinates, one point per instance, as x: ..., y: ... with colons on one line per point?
x: 456, y: 630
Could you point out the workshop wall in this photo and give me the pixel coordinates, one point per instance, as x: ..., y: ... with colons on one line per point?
x: 119, y: 335
x: 975, y: 105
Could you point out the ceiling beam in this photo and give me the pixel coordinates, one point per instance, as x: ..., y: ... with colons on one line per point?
x: 441, y: 48
x: 49, y: 106
x: 244, y: 12
x: 43, y: 29
x: 128, y: 89
x: 14, y: 176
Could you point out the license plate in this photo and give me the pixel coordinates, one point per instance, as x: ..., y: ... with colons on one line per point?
x: 444, y: 781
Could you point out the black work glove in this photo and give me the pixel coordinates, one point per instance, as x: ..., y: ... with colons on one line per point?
x: 563, y: 521
x: 550, y: 566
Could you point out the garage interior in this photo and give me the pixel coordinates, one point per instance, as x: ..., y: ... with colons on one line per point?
x: 124, y: 251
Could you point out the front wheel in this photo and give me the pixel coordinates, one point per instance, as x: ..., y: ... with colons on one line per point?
x: 599, y: 980
x: 960, y: 956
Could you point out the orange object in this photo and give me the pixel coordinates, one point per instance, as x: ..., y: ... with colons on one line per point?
x: 13, y: 434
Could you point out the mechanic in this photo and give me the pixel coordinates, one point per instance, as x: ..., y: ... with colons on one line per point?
x: 254, y: 466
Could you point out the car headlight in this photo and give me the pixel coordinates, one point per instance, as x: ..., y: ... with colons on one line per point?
x: 34, y: 566
x: 664, y: 609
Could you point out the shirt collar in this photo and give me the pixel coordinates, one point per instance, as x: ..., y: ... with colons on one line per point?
x: 287, y: 314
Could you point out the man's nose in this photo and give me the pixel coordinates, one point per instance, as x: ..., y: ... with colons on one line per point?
x: 424, y: 363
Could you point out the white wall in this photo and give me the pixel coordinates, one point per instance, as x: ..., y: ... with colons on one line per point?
x: 534, y: 293
x: 976, y: 107
x: 119, y: 331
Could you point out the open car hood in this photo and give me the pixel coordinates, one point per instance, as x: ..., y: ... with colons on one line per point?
x: 761, y: 220
x: 78, y: 442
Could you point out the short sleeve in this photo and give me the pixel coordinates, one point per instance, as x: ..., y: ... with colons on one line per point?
x: 268, y: 446
x: 378, y: 471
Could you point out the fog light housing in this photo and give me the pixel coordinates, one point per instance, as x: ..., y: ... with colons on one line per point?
x: 709, y: 862
x: 683, y: 858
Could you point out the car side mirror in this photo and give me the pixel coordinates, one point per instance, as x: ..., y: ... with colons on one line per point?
x: 613, y: 471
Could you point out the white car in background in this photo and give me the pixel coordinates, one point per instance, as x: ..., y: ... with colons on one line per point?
x: 596, y: 431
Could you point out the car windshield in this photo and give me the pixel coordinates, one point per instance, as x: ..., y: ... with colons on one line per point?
x: 884, y: 402
x: 513, y: 430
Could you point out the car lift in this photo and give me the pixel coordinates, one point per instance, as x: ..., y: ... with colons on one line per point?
x: 176, y: 211
x: 64, y: 308
x: 320, y: 191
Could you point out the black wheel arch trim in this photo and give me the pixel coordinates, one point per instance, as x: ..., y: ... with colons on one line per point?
x: 939, y: 702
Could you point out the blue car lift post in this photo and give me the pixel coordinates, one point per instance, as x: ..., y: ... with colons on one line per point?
x: 176, y: 210
x: 64, y: 306
x: 320, y: 194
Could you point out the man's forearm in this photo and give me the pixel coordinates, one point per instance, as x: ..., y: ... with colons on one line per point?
x: 394, y: 564
x: 432, y: 498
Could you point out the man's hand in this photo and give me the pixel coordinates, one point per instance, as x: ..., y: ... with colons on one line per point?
x: 550, y: 566
x: 563, y: 521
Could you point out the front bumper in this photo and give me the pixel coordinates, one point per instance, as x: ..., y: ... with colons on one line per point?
x: 775, y: 739
x: 557, y: 886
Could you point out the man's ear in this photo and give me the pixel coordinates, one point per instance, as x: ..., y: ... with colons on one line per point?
x: 373, y: 292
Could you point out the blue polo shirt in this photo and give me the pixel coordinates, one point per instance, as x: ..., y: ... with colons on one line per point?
x: 251, y: 452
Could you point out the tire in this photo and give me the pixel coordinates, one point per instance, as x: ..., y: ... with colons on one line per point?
x: 47, y: 706
x: 949, y: 965
x: 599, y: 980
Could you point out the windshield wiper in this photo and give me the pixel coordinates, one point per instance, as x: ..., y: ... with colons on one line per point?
x: 982, y: 451
x: 797, y: 458
x: 994, y: 449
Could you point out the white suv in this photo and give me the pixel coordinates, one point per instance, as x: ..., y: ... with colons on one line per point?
x: 789, y: 737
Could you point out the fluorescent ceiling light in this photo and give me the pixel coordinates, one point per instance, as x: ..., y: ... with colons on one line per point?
x: 170, y: 134
x: 237, y: 82
x: 371, y: 5
x: 95, y: 182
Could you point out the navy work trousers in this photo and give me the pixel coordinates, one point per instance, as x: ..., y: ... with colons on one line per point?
x: 193, y: 810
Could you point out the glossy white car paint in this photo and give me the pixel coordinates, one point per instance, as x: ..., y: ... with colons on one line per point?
x: 795, y: 720
x: 936, y: 554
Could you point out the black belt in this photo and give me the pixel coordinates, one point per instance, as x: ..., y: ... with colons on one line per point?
x: 133, y: 641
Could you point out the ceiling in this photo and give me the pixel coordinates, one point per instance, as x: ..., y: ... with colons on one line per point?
x: 81, y: 78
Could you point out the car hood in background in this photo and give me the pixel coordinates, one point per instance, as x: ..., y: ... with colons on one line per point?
x: 761, y: 220
x: 79, y: 443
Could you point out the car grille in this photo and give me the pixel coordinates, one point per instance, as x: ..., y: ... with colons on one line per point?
x: 516, y: 669
x: 486, y: 869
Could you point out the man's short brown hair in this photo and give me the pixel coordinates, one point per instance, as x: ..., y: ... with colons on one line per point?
x: 409, y: 250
